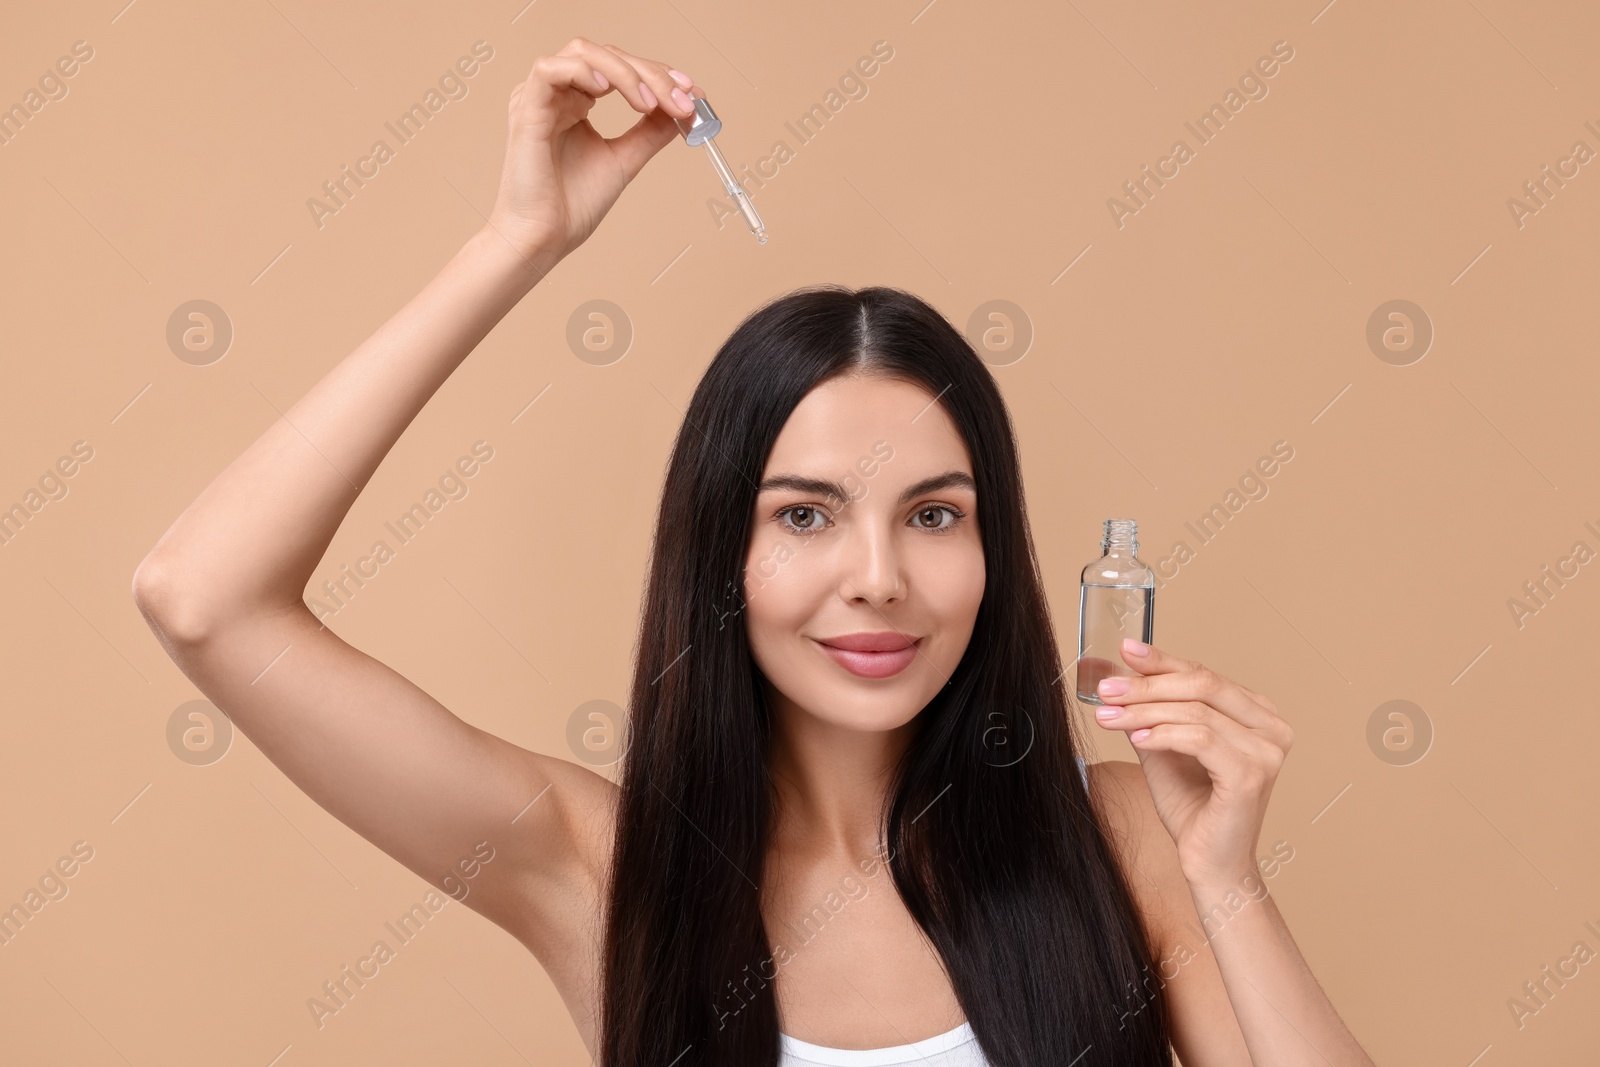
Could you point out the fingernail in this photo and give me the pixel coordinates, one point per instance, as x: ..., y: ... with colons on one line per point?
x: 1136, y: 648
x: 681, y: 98
x: 1104, y: 714
x: 600, y: 79
x: 649, y: 97
x: 1112, y: 687
x: 1139, y: 735
x: 681, y: 78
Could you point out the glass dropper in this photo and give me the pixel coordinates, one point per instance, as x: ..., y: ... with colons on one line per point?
x: 702, y: 129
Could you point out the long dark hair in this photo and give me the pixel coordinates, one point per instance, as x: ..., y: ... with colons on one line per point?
x: 997, y: 854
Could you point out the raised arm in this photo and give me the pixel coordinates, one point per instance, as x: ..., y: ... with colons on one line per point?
x: 222, y: 588
x: 1209, y: 752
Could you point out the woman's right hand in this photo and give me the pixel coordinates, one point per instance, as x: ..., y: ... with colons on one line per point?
x: 560, y: 176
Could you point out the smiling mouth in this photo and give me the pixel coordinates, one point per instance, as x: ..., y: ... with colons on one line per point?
x: 873, y: 664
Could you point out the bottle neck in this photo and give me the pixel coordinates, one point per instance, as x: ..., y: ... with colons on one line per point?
x: 1121, y: 537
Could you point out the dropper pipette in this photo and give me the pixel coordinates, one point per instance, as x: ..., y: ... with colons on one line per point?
x: 702, y: 129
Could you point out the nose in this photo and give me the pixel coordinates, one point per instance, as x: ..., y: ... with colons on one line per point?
x: 871, y: 568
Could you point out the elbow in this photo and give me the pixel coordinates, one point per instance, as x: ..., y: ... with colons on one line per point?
x: 176, y: 617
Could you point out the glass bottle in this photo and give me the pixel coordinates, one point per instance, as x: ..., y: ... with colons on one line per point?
x: 1116, y: 599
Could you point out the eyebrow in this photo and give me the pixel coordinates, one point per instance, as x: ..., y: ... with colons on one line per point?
x: 835, y: 491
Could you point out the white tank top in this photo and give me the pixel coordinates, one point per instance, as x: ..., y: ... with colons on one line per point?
x: 953, y: 1048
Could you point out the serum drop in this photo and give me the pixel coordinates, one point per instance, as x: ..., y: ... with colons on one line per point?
x: 1116, y: 599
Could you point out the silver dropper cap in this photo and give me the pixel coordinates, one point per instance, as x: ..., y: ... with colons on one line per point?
x: 702, y: 129
x: 703, y: 125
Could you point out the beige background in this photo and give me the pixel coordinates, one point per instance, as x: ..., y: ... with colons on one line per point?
x: 1229, y: 313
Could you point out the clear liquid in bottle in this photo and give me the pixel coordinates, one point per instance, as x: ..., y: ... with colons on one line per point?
x: 1116, y: 599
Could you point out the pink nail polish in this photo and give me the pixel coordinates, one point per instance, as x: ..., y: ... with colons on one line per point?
x: 681, y: 98
x: 649, y: 97
x: 681, y: 78
x: 1106, y: 714
x: 1139, y: 735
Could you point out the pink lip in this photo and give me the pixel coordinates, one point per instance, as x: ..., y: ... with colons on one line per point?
x: 893, y: 654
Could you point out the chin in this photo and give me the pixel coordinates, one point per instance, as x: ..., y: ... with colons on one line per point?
x: 849, y: 712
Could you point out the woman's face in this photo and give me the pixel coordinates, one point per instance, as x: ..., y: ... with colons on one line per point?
x: 865, y: 524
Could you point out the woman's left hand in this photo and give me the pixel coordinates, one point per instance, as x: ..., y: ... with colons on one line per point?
x: 1210, y: 749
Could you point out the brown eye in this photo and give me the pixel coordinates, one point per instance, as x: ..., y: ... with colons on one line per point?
x: 803, y: 524
x: 936, y: 510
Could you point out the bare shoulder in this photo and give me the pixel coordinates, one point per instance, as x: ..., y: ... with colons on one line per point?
x: 1122, y: 799
x: 1205, y: 1030
x: 1146, y: 850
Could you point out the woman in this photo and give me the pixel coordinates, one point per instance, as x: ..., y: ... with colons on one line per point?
x: 852, y: 826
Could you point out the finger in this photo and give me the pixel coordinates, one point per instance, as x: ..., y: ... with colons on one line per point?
x: 1223, y: 761
x: 623, y: 75
x: 657, y: 84
x: 1195, y: 681
x: 1266, y: 749
x: 1278, y: 728
x: 1148, y: 659
x: 1181, y: 713
x: 1265, y: 702
x: 551, y: 74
